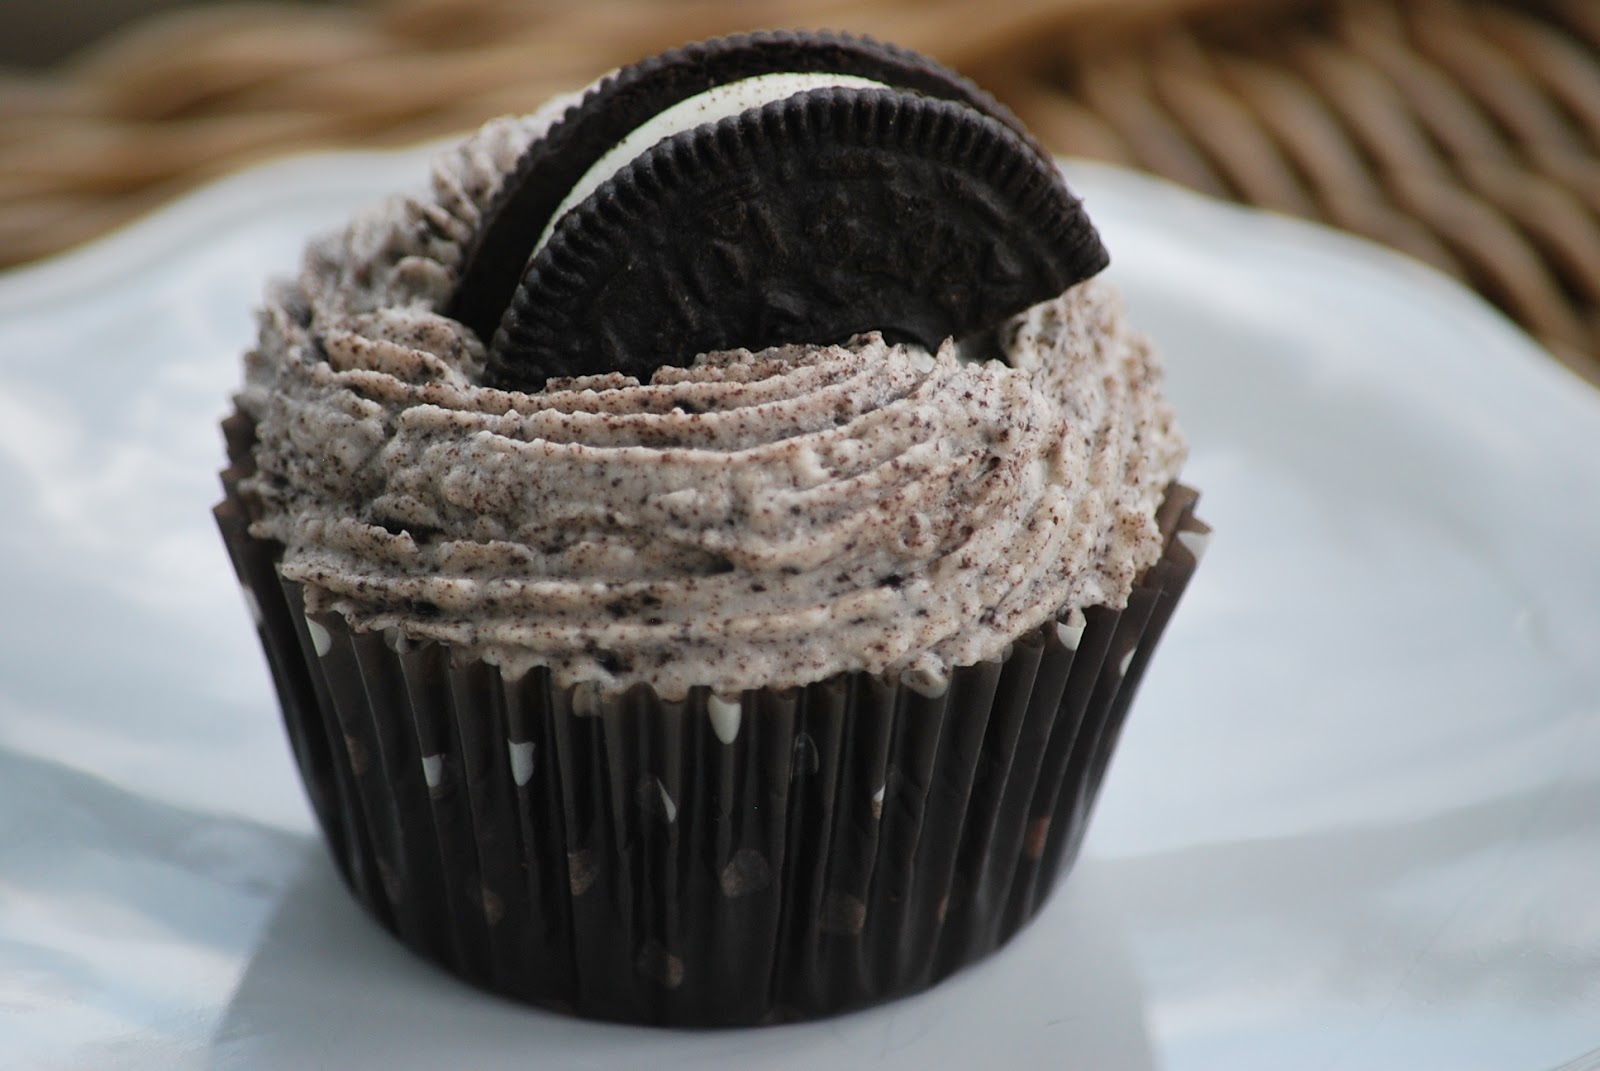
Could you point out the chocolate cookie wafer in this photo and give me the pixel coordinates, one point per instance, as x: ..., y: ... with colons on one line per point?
x: 825, y: 215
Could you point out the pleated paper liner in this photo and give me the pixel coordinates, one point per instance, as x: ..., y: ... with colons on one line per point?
x: 790, y: 854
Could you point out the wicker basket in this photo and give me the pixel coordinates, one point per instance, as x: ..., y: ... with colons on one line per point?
x: 1463, y: 132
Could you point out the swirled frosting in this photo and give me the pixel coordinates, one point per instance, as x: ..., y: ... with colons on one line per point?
x: 756, y: 519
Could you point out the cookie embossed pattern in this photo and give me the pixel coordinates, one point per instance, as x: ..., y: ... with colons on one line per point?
x: 846, y: 217
x: 731, y: 620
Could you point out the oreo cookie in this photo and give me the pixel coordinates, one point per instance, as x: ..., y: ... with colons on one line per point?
x: 767, y: 189
x: 630, y: 98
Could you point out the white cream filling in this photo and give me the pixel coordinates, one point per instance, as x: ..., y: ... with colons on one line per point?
x: 719, y: 102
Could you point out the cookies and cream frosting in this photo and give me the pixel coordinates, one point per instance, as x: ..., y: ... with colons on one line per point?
x: 756, y: 519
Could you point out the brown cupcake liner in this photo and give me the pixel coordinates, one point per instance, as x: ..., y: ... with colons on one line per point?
x: 808, y: 851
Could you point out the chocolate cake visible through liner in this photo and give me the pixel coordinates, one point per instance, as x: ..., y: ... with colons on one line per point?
x: 497, y: 258
x: 825, y: 215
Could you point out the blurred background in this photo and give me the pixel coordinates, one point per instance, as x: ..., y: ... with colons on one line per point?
x: 1465, y: 133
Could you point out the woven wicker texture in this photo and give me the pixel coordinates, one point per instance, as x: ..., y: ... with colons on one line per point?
x: 1463, y: 132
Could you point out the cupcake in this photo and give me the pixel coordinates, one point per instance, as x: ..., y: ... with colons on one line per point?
x: 706, y: 545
